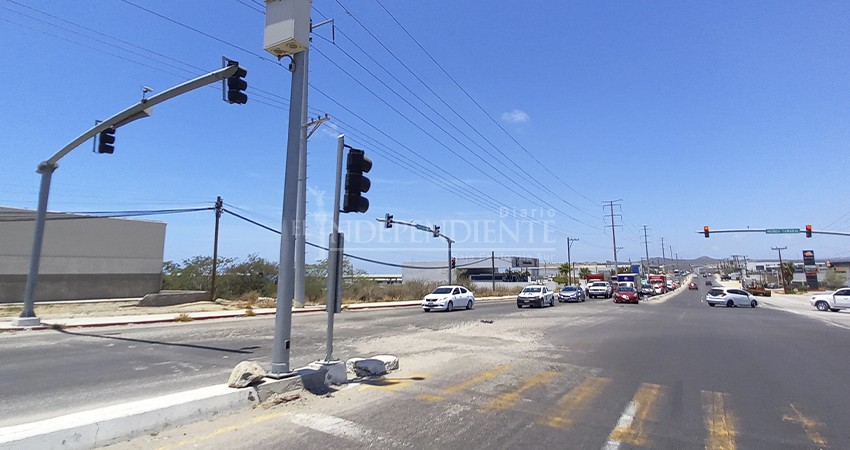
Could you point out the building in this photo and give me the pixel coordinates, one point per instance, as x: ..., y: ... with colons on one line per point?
x: 507, y: 269
x: 82, y: 257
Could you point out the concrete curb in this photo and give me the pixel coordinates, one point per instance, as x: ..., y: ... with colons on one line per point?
x: 103, y: 426
x: 48, y: 324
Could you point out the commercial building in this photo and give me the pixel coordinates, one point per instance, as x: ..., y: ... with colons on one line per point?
x: 82, y: 257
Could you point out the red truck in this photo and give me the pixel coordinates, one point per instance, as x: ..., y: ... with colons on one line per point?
x: 658, y: 283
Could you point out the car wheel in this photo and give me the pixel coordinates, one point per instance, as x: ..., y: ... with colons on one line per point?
x: 753, y: 304
x: 822, y: 306
x: 519, y: 306
x: 426, y: 310
x: 469, y: 304
x: 450, y: 306
x: 730, y: 303
x: 711, y: 304
x: 552, y: 302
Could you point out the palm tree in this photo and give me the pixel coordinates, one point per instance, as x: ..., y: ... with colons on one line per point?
x: 787, y: 271
x: 583, y: 272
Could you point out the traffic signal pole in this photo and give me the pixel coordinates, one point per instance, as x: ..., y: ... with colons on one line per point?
x: 140, y: 110
x: 334, y: 255
x: 286, y: 267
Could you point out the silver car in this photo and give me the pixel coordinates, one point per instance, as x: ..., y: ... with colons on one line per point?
x: 571, y: 294
x: 730, y: 297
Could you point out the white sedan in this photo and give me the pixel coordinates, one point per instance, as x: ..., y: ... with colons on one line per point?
x: 730, y: 297
x: 447, y: 298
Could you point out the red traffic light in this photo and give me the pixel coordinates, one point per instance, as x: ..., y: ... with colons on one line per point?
x: 808, y: 231
x: 705, y: 230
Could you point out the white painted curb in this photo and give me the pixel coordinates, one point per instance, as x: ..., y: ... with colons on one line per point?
x: 103, y: 426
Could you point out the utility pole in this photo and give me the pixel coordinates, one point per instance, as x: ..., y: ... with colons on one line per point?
x: 301, y: 208
x: 218, y: 204
x: 493, y: 267
x: 663, y: 255
x: 611, y: 204
x: 779, y: 272
x: 569, y: 259
x: 646, y: 248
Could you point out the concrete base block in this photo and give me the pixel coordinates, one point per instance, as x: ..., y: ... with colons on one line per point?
x: 376, y: 365
x: 335, y: 371
x: 169, y: 298
x: 26, y: 322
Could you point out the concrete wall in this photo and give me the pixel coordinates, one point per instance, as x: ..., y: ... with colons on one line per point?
x: 82, y: 258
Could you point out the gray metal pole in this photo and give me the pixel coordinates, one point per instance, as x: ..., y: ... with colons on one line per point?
x: 646, y: 248
x: 334, y: 255
x: 301, y: 215
x: 450, y: 259
x: 28, y: 317
x: 569, y: 263
x: 218, y: 204
x: 286, y: 269
x: 493, y: 267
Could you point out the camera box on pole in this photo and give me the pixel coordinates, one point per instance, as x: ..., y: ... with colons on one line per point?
x: 287, y: 27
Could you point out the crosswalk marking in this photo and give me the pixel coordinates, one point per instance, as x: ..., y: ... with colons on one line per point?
x: 563, y: 415
x: 478, y: 379
x: 719, y: 421
x: 630, y: 428
x: 810, y: 426
x: 509, y: 399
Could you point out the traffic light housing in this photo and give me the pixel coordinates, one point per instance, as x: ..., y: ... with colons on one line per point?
x: 436, y: 231
x: 106, y: 141
x: 388, y: 220
x: 454, y: 262
x: 808, y: 231
x: 705, y: 230
x: 236, y: 85
x: 355, y: 183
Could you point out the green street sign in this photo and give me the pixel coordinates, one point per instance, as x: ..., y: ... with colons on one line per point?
x: 422, y: 227
x: 782, y: 230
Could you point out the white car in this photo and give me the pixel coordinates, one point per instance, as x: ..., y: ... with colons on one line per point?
x: 730, y: 297
x: 447, y: 298
x: 600, y: 289
x: 832, y: 301
x: 535, y: 295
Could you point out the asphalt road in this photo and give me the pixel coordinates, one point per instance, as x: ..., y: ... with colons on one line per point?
x: 49, y: 373
x: 675, y: 375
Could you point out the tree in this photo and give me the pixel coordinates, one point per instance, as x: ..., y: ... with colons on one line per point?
x: 787, y: 272
x: 834, y: 279
x: 563, y: 276
x: 583, y: 272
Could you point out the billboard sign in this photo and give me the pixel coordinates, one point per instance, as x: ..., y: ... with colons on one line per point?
x: 810, y: 268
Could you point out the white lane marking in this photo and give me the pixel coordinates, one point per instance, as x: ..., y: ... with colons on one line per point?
x: 623, y: 423
x: 334, y: 426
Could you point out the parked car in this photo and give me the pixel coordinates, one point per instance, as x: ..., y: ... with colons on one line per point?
x: 832, y: 301
x: 647, y: 289
x: 447, y: 298
x: 730, y: 297
x: 658, y: 288
x: 600, y: 289
x: 571, y: 294
x: 535, y: 295
x: 626, y: 294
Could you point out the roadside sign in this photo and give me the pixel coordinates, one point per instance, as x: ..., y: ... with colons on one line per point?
x: 422, y: 227
x: 782, y: 230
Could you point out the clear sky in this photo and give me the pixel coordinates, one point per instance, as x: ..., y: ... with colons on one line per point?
x: 510, y: 132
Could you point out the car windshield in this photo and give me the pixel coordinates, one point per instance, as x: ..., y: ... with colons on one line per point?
x: 625, y: 289
x: 600, y: 283
x: 569, y: 289
x: 715, y: 291
x: 532, y: 290
x: 443, y: 290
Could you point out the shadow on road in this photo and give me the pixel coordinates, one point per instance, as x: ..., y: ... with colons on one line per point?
x: 243, y: 350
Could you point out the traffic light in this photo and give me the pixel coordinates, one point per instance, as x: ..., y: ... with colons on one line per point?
x: 436, y: 231
x: 236, y: 85
x: 355, y: 183
x: 454, y: 262
x: 388, y: 220
x: 705, y: 230
x: 808, y: 231
x: 106, y: 141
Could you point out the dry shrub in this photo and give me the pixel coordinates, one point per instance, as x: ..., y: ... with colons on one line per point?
x: 183, y: 317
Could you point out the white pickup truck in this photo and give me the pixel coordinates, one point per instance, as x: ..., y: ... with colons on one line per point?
x: 832, y: 301
x: 600, y: 289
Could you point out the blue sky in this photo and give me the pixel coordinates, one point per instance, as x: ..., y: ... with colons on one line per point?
x: 727, y: 114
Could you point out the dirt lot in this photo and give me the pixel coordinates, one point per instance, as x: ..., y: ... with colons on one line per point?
x: 121, y: 308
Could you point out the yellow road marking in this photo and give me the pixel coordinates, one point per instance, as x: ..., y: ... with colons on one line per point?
x: 478, y: 379
x: 430, y: 398
x: 391, y: 383
x: 227, y: 429
x: 562, y: 415
x: 719, y: 421
x: 631, y: 426
x: 809, y: 425
x: 509, y: 399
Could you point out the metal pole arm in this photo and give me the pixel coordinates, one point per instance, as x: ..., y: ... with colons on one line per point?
x: 139, y: 110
